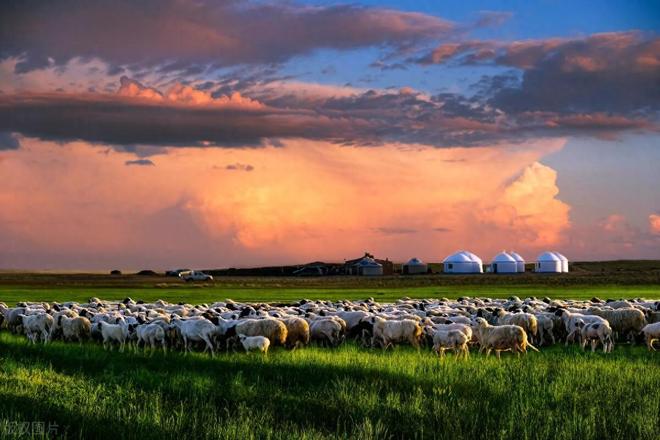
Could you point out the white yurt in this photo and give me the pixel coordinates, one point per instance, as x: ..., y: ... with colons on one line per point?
x: 564, y: 261
x: 479, y: 264
x: 462, y: 262
x: 369, y: 266
x: 548, y: 262
x: 413, y: 266
x: 520, y: 261
x: 503, y: 263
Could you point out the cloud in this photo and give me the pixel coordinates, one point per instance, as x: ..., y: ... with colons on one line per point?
x: 8, y: 141
x: 239, y: 167
x: 188, y: 116
x: 177, y: 35
x: 609, y: 72
x: 310, y: 200
x: 140, y: 162
x: 654, y: 223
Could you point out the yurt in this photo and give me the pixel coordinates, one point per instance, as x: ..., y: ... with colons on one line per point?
x: 369, y: 266
x: 414, y: 266
x: 478, y: 263
x: 548, y: 262
x: 462, y: 262
x: 503, y: 263
x: 564, y: 261
x: 520, y: 261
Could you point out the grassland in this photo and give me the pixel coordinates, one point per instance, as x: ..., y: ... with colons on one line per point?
x: 350, y: 392
x: 318, y: 393
x: 623, y: 279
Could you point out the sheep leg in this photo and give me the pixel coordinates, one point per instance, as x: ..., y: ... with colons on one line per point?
x: 209, y: 345
x: 497, y: 352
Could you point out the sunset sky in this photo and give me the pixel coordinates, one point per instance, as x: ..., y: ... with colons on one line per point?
x: 181, y: 133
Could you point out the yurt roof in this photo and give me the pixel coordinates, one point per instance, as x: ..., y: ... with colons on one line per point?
x: 560, y: 256
x: 368, y: 262
x: 503, y: 257
x: 548, y: 256
x: 473, y: 257
x: 414, y: 262
x: 458, y: 257
x: 517, y: 257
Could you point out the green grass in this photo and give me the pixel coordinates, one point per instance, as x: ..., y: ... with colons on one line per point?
x: 196, y: 295
x: 349, y: 392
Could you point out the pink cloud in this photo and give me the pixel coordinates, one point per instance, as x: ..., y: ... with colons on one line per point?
x: 654, y: 223
x: 302, y: 201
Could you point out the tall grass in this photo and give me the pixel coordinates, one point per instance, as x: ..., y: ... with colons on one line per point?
x: 349, y: 392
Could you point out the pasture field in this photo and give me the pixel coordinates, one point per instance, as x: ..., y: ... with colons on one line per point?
x: 318, y: 393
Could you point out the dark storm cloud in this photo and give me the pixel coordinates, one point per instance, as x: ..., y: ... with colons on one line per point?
x: 613, y: 72
x: 367, y: 118
x: 176, y: 34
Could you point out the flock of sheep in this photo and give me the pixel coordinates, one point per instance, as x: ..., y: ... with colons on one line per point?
x: 491, y: 324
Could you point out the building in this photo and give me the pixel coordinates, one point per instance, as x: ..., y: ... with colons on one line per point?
x: 368, y: 267
x: 548, y: 262
x: 356, y: 266
x: 414, y: 266
x: 564, y: 261
x: 462, y: 262
x: 520, y: 262
x: 503, y: 263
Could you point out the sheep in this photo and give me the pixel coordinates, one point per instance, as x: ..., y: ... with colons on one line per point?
x: 596, y: 332
x: 78, y: 328
x: 502, y: 338
x: 114, y: 333
x: 151, y: 334
x: 271, y: 328
x: 387, y: 333
x: 625, y: 322
x: 527, y: 321
x: 571, y: 320
x: 651, y: 334
x: 327, y: 331
x: 546, y: 327
x: 56, y: 329
x: 201, y: 330
x: 451, y: 339
x: 13, y: 320
x: 255, y: 343
x: 298, y: 333
x: 37, y: 326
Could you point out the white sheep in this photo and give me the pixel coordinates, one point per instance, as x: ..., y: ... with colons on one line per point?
x: 389, y: 332
x: 37, y: 327
x: 451, y: 340
x: 197, y: 330
x: 77, y: 328
x: 502, y: 338
x: 255, y: 343
x: 114, y: 333
x: 651, y: 334
x: 596, y: 332
x: 151, y: 334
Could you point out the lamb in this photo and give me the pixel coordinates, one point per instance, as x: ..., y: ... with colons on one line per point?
x: 114, y: 333
x: 78, y: 328
x: 255, y: 343
x: 502, y: 338
x: 596, y: 332
x: 451, y: 339
x: 37, y: 327
x: 387, y: 333
x: 651, y: 334
x: 270, y: 328
x: 298, y: 333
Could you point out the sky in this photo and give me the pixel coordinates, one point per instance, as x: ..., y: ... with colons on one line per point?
x: 210, y: 134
